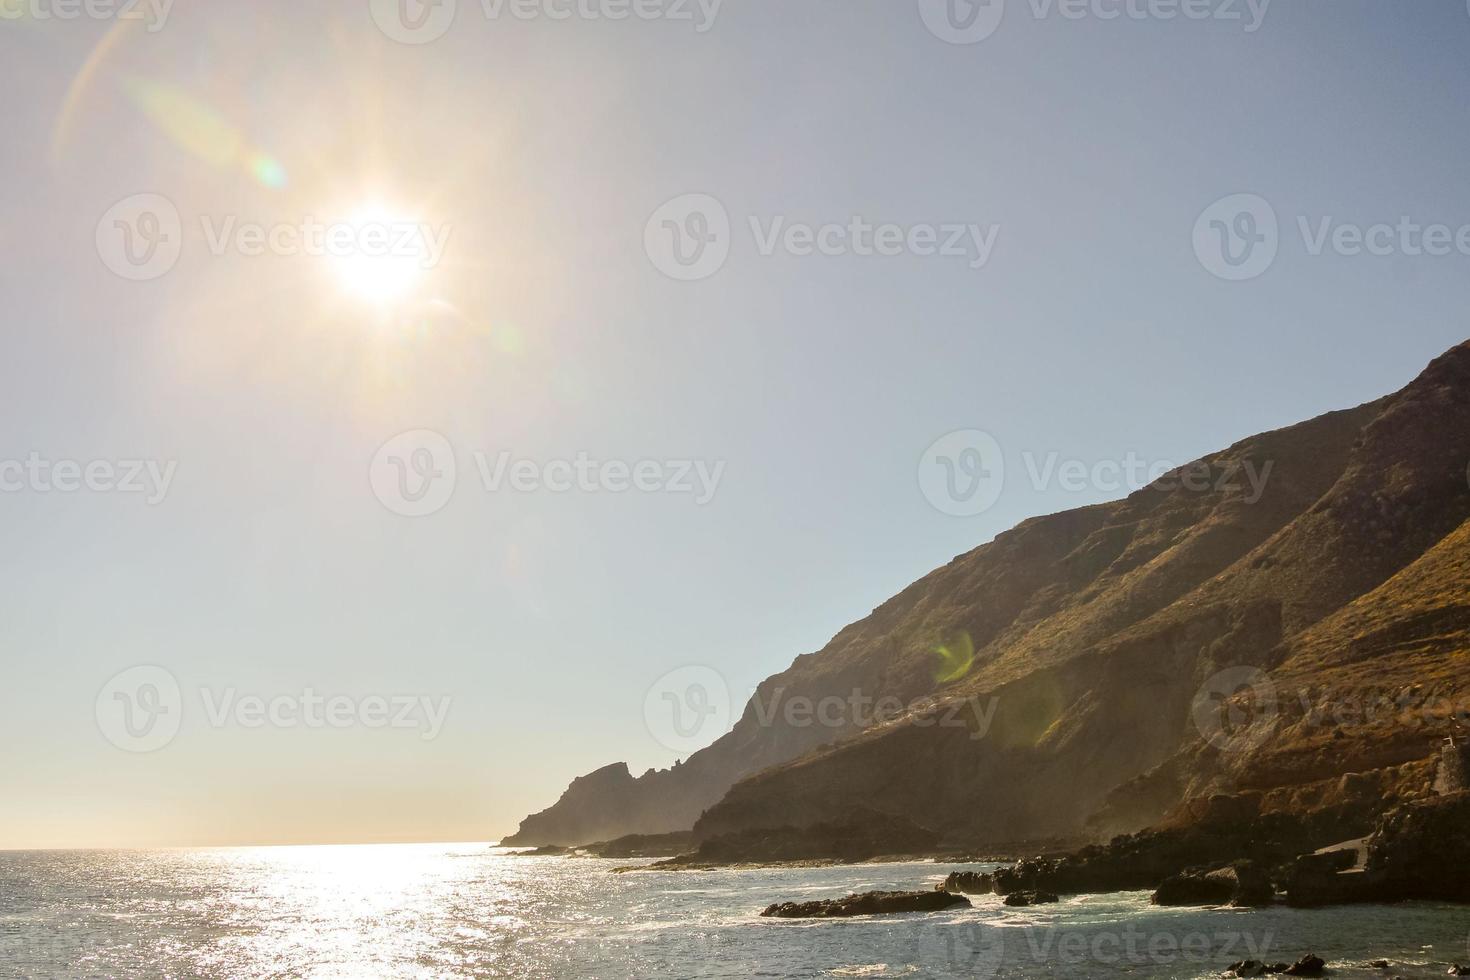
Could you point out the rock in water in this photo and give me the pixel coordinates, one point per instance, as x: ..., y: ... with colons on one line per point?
x: 968, y: 883
x: 868, y: 903
x: 1031, y: 898
x: 1241, y: 884
x: 1248, y: 968
x: 1196, y: 887
x: 1310, y: 965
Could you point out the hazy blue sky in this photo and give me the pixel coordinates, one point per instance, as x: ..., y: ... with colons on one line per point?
x: 1088, y: 147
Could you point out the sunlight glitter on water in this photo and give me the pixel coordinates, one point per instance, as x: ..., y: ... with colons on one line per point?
x: 469, y: 910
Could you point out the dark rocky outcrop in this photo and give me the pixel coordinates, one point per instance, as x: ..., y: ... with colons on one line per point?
x: 868, y: 903
x: 1422, y: 851
x: 1316, y: 880
x: 1031, y: 898
x: 1241, y: 884
x: 1146, y: 860
x: 1310, y: 965
x: 642, y: 846
x: 859, y: 836
x: 1418, y: 851
x: 1195, y: 887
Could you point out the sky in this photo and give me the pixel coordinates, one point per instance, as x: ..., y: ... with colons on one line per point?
x: 394, y: 406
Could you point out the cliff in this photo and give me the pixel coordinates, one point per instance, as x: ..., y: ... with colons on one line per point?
x: 1329, y: 558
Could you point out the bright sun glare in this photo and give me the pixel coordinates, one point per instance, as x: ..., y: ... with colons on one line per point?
x: 388, y: 259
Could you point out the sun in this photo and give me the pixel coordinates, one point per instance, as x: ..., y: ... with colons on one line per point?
x: 380, y: 255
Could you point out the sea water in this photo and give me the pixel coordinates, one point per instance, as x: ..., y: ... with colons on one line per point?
x: 471, y: 910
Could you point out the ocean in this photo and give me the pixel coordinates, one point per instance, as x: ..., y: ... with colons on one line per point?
x: 472, y: 910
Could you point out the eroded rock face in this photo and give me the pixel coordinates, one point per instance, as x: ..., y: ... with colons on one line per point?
x: 867, y: 903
